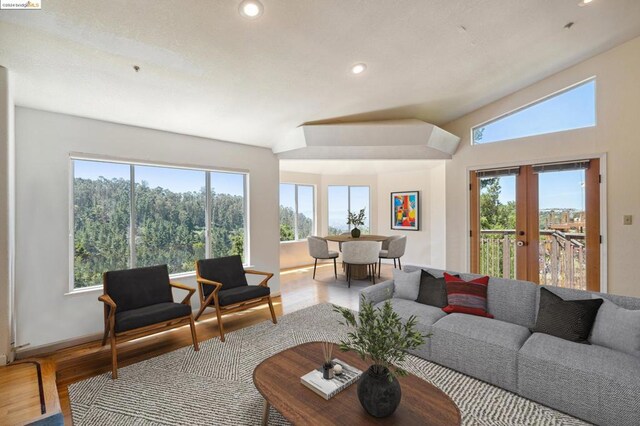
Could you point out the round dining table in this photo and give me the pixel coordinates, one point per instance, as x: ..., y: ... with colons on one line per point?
x: 359, y: 272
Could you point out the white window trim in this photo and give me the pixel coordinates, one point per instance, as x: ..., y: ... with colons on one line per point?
x: 295, y: 215
x: 349, y: 203
x: 533, y: 103
x: 132, y: 163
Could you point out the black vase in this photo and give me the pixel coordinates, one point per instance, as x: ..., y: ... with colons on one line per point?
x: 355, y: 233
x: 379, y: 396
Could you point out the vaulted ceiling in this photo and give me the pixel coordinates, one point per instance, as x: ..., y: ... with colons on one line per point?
x: 207, y: 71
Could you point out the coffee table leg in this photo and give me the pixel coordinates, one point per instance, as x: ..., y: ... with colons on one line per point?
x: 265, y: 413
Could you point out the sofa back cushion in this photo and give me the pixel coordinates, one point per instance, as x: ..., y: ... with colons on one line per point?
x: 512, y: 301
x: 617, y: 328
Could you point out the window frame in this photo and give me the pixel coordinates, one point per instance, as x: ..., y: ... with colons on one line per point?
x: 132, y: 213
x: 349, y: 203
x: 295, y: 213
x: 534, y: 103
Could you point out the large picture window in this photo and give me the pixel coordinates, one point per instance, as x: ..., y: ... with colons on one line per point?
x: 297, y: 211
x: 345, y: 199
x: 572, y: 108
x: 131, y: 215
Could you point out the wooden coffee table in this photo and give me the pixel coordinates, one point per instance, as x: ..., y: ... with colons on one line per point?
x: 278, y: 380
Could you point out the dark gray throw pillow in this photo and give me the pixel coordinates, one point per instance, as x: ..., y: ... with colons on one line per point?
x: 433, y: 290
x: 567, y: 319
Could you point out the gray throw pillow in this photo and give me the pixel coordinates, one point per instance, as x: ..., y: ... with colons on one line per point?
x: 406, y: 284
x: 617, y: 328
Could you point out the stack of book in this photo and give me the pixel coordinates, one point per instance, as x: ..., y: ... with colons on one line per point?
x: 328, y: 388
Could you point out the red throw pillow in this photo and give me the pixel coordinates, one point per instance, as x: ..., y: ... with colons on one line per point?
x: 467, y: 297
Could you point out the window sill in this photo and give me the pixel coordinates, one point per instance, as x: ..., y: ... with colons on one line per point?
x: 293, y: 241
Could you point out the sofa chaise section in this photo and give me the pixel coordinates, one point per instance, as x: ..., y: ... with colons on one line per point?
x: 592, y: 382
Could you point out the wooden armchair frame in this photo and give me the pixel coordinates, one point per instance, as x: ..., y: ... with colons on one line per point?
x: 115, y: 338
x: 213, y: 300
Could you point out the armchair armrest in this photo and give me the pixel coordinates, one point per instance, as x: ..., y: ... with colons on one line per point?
x: 377, y: 293
x: 191, y: 290
x: 209, y: 282
x: 110, y: 306
x: 263, y: 283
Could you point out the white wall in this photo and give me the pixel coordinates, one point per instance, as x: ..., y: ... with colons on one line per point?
x: 425, y: 247
x: 617, y: 134
x: 44, y: 141
x: 7, y: 216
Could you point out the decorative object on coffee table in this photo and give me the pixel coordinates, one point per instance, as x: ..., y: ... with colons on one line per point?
x: 356, y: 220
x: 380, y: 336
x: 327, y: 366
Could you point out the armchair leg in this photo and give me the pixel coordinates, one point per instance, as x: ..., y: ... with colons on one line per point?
x: 203, y: 306
x: 105, y: 336
x: 348, y: 275
x: 394, y: 263
x: 379, y: 266
x: 114, y: 357
x: 373, y: 276
x: 220, y: 326
x: 335, y: 268
x: 399, y: 264
x: 315, y: 265
x: 194, y: 338
x: 273, y: 313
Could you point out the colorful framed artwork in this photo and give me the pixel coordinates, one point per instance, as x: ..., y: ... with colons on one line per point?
x: 405, y: 211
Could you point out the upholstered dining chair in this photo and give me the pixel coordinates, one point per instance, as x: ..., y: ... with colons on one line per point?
x: 360, y: 253
x: 139, y: 302
x: 222, y: 284
x: 319, y: 249
x: 392, y: 248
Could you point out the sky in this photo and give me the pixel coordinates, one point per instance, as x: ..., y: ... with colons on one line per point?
x: 572, y: 109
x: 559, y: 190
x: 177, y: 180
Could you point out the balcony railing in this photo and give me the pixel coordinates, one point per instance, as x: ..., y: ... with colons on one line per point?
x: 562, y: 257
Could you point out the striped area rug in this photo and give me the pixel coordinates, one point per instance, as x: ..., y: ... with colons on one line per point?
x: 214, y: 386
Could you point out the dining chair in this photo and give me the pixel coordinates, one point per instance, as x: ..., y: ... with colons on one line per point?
x: 319, y: 249
x: 392, y: 248
x: 360, y: 253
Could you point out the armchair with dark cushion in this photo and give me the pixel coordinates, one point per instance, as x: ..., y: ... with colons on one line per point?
x: 222, y: 284
x: 138, y: 302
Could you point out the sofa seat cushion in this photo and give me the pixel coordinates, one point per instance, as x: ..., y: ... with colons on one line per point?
x: 592, y: 382
x: 148, y: 315
x: 480, y: 347
x: 425, y: 315
x: 240, y: 294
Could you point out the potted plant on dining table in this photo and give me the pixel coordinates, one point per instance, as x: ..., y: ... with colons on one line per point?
x: 356, y: 219
x: 380, y: 336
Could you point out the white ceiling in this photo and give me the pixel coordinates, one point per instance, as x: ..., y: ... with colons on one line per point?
x: 356, y: 167
x: 208, y: 72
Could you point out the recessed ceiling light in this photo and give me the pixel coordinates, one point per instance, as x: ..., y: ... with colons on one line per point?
x: 251, y: 9
x: 584, y: 2
x: 358, y: 68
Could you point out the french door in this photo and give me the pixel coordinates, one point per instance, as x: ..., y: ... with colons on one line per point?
x: 539, y: 223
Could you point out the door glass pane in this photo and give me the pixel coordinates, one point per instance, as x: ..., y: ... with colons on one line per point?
x: 101, y: 218
x: 170, y: 217
x: 305, y: 211
x: 287, y: 211
x: 562, y: 229
x: 360, y: 200
x: 338, y: 200
x: 228, y: 214
x: 497, y: 226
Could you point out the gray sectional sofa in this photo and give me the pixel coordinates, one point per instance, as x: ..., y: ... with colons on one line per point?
x: 591, y: 382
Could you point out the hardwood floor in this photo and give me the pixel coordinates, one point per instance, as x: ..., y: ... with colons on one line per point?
x: 298, y: 290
